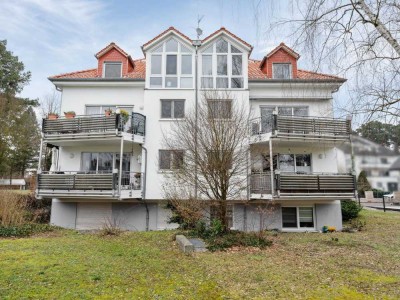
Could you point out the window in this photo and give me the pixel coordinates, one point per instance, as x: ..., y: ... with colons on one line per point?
x: 384, y: 160
x: 222, y: 66
x: 100, y: 109
x: 300, y: 163
x: 297, y: 111
x: 219, y: 109
x: 281, y: 71
x: 171, y: 66
x: 103, y: 162
x: 172, y: 109
x: 297, y: 217
x: 112, y: 70
x: 171, y: 159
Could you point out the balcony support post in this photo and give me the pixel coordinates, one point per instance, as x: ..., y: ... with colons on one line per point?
x: 271, y: 166
x: 120, y: 168
x: 39, y: 169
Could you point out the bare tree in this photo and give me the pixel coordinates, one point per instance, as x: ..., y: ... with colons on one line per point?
x: 51, y: 103
x: 218, y: 164
x: 360, y: 40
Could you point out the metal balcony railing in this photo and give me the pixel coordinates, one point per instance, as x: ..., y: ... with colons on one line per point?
x: 66, y: 182
x: 260, y: 183
x: 300, y: 125
x: 134, y: 124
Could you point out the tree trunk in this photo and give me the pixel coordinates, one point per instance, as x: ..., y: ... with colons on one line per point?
x: 380, y: 26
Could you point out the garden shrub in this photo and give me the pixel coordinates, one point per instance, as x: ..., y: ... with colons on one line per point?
x: 24, y: 229
x: 12, y: 208
x: 350, y: 209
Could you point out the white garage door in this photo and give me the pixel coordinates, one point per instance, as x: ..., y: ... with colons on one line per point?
x: 92, y: 215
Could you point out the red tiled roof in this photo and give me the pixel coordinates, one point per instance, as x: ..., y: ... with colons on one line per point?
x: 283, y: 46
x: 228, y: 32
x: 255, y: 73
x: 107, y: 48
x: 139, y: 72
x: 164, y: 32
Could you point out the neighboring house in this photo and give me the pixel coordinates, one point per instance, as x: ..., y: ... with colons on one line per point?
x: 111, y: 170
x: 376, y: 160
x: 16, y: 184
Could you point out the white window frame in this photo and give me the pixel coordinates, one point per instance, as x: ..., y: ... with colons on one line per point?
x: 114, y: 158
x: 179, y: 74
x: 112, y: 63
x: 103, y: 107
x: 292, y: 107
x: 295, y: 160
x: 298, y: 228
x: 172, y: 109
x: 283, y: 63
x: 229, y: 75
x: 171, y: 156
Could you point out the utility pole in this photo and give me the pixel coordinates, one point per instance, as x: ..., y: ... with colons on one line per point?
x: 196, y: 44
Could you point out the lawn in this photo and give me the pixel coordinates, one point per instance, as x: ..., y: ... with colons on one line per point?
x: 147, y: 265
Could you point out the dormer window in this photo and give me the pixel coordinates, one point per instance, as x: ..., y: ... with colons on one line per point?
x: 112, y: 69
x: 282, y: 70
x: 222, y: 66
x: 171, y: 66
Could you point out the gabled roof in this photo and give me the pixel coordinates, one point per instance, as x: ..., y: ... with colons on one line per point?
x: 395, y: 166
x: 255, y: 73
x: 223, y: 29
x: 285, y: 48
x: 108, y: 48
x: 165, y: 32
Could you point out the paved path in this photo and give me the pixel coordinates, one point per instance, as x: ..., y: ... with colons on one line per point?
x: 379, y: 205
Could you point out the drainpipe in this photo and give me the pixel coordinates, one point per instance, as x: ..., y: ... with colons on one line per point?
x: 144, y: 189
x: 120, y: 168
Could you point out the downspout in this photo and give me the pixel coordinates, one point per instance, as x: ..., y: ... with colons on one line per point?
x: 144, y: 188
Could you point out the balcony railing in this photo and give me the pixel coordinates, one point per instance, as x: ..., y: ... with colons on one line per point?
x: 315, y: 183
x: 292, y: 184
x: 72, y: 183
x: 260, y: 183
x: 135, y: 124
x: 300, y: 125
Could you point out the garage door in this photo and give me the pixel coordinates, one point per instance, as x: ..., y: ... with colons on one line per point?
x: 92, y: 215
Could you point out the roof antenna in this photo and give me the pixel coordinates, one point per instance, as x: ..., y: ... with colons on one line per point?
x: 199, y: 31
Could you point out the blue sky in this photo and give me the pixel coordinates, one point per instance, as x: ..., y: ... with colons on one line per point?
x: 53, y: 37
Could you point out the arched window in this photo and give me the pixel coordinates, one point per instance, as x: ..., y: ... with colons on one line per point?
x: 171, y: 66
x: 222, y: 66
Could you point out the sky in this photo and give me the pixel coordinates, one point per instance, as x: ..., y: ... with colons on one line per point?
x: 53, y: 37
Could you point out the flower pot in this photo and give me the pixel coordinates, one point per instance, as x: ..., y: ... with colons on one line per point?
x: 70, y: 116
x: 52, y: 116
x: 108, y: 113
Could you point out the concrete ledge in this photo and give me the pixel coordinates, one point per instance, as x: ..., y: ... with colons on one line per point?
x: 184, y: 244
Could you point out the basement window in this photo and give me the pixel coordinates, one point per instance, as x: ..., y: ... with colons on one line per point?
x: 298, y: 217
x: 112, y: 70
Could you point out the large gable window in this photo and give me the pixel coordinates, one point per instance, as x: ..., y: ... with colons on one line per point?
x: 222, y: 66
x: 171, y: 66
x: 281, y: 71
x: 112, y: 70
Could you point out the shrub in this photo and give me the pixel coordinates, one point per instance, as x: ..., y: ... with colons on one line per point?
x: 12, y: 208
x: 363, y: 184
x: 350, y: 209
x: 110, y: 228
x: 24, y: 229
x: 237, y: 239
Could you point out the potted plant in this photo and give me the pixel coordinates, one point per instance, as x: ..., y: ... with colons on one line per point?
x: 124, y: 116
x: 52, y: 116
x: 69, y: 114
x: 108, y: 112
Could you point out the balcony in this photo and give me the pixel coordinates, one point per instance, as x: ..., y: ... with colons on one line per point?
x: 303, y: 186
x: 92, y: 127
x: 299, y: 128
x: 87, y: 185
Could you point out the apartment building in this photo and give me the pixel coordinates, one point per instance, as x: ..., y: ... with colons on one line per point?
x: 111, y: 167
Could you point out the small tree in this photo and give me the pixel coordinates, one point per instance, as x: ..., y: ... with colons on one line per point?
x: 363, y: 184
x: 215, y: 145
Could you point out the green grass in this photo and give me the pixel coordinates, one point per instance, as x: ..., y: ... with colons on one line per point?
x: 68, y: 265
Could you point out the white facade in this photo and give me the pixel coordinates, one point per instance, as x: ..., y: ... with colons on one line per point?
x: 174, y: 79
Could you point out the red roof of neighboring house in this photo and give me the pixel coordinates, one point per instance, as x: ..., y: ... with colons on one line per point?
x: 255, y: 73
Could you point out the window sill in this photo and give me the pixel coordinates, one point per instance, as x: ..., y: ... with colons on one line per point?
x: 171, y: 119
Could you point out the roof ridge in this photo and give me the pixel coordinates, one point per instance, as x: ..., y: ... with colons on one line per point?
x: 164, y: 32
